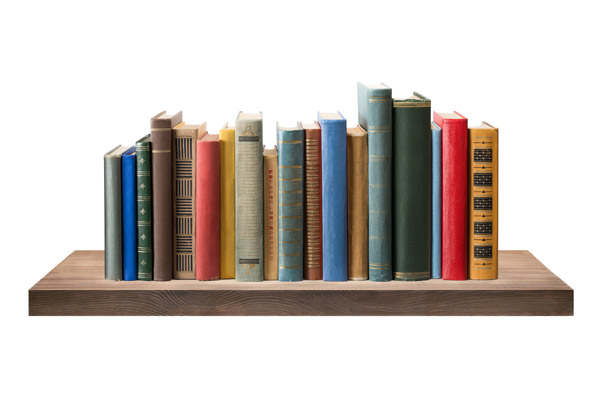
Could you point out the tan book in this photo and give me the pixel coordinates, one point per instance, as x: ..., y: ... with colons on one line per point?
x: 271, y: 217
x: 358, y: 204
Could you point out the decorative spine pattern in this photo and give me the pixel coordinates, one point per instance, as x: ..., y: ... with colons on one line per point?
x: 270, y: 224
x: 144, y: 208
x: 313, y: 240
x: 184, y: 243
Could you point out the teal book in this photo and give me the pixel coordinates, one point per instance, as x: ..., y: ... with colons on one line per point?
x: 436, y: 201
x: 144, y: 207
x: 375, y: 117
x: 291, y: 208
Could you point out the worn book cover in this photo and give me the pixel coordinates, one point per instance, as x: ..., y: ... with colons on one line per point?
x: 358, y: 204
x: 270, y: 211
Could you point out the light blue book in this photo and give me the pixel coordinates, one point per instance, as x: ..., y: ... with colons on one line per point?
x: 436, y: 201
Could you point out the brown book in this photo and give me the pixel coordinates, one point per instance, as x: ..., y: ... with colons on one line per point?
x: 161, y: 127
x: 358, y: 205
x: 270, y: 205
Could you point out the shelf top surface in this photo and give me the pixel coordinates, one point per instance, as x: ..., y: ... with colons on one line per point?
x: 517, y: 270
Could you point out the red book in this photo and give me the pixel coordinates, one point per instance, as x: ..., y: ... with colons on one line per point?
x: 454, y: 194
x: 207, y: 208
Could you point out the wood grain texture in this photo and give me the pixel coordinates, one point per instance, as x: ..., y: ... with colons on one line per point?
x: 77, y: 287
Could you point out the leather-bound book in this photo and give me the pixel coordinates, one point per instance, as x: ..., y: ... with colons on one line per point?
x: 249, y: 197
x: 358, y: 205
x: 144, y: 207
x: 113, y: 228
x: 270, y: 212
x: 313, y: 239
x: 129, y: 198
x: 161, y: 126
x: 375, y: 116
x: 227, y: 196
x: 334, y: 196
x: 207, y: 208
x: 454, y: 194
x: 291, y: 197
x: 185, y: 137
x: 436, y: 201
x: 483, y: 202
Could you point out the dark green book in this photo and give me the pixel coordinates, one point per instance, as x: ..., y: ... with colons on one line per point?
x: 411, y: 188
x: 144, y: 207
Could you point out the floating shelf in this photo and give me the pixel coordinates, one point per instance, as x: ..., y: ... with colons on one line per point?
x: 77, y: 287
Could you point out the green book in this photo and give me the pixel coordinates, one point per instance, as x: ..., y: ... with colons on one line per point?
x: 144, y: 207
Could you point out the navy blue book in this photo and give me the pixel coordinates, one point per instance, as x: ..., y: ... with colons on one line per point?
x: 436, y: 201
x: 129, y: 198
x: 335, y: 196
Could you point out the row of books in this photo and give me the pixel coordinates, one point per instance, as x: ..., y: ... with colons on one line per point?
x: 399, y: 196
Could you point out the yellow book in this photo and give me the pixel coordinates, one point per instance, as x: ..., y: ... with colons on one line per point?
x: 483, y: 202
x: 227, y: 195
x: 270, y: 214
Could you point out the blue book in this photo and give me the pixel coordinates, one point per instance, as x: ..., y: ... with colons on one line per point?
x: 375, y: 117
x: 129, y: 198
x: 291, y: 210
x: 436, y: 201
x: 335, y: 196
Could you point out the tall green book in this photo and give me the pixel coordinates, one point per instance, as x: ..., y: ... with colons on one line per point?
x: 144, y: 207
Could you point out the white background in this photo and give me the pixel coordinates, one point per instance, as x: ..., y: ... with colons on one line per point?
x: 77, y: 79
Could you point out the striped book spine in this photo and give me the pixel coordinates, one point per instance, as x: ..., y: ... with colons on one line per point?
x: 144, y: 208
x: 271, y: 193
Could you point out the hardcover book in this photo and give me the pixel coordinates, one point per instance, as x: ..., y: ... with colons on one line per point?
x: 358, y: 205
x: 412, y: 188
x: 113, y: 228
x: 483, y: 202
x: 185, y: 137
x: 227, y: 196
x: 291, y: 196
x: 454, y: 194
x: 144, y: 207
x: 249, y: 197
x: 375, y: 117
x: 270, y: 211
x: 207, y: 208
x: 436, y: 201
x: 161, y: 126
x: 334, y: 196
x: 129, y: 210
x: 313, y: 242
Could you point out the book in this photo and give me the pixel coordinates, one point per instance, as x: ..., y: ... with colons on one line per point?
x: 290, y: 141
x: 375, y: 117
x: 411, y: 245
x: 227, y: 196
x: 161, y: 126
x: 270, y: 212
x: 129, y: 211
x: 483, y: 202
x: 144, y: 207
x: 358, y: 204
x: 185, y: 137
x: 436, y: 201
x: 249, y: 197
x: 334, y: 196
x: 207, y: 228
x: 313, y: 241
x: 454, y: 194
x: 113, y: 223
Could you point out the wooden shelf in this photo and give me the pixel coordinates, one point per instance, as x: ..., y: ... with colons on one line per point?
x: 77, y: 287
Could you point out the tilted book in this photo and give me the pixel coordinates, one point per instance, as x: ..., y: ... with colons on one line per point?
x: 270, y: 212
x: 129, y: 210
x: 483, y: 202
x: 454, y: 194
x: 185, y: 137
x: 334, y: 196
x: 249, y: 197
x: 291, y: 198
x: 436, y: 201
x: 375, y: 116
x: 358, y: 205
x: 144, y: 207
x: 412, y: 188
x: 227, y: 198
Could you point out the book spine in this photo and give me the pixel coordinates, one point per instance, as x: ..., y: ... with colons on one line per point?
x: 129, y: 197
x: 144, y: 210
x: 436, y: 201
x: 313, y: 239
x: 358, y: 208
x: 248, y: 200
x: 184, y: 163
x: 113, y: 236
x: 270, y: 223
x: 207, y: 210
x: 483, y: 203
x: 291, y: 196
x: 334, y: 195
x: 227, y: 196
x: 412, y: 191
